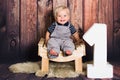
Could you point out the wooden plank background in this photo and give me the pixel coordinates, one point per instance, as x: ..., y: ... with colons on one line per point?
x: 45, y: 16
x: 116, y: 29
x: 28, y: 20
x: 90, y: 13
x: 106, y: 16
x: 28, y: 28
x: 76, y: 10
x: 12, y: 27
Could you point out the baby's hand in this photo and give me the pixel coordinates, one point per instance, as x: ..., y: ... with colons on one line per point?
x: 79, y: 42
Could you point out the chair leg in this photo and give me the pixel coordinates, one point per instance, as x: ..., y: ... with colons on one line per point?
x: 45, y: 65
x: 78, y: 65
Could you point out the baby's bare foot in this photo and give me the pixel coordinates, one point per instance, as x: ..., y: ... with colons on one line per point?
x: 68, y: 52
x: 52, y: 52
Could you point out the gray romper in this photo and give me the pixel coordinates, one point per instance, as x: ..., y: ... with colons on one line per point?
x: 60, y: 40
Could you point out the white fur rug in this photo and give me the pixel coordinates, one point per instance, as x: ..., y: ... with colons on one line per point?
x: 26, y: 67
x: 60, y: 70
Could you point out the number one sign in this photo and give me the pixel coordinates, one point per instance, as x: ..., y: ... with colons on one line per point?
x: 97, y: 36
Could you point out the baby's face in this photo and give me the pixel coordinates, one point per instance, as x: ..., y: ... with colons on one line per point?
x: 62, y: 17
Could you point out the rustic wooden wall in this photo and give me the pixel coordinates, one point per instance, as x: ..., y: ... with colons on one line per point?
x: 28, y: 28
x: 28, y: 20
x: 90, y: 13
x: 2, y: 28
x: 2, y: 18
x: 106, y: 16
x: 12, y: 27
x: 45, y: 16
x: 116, y: 29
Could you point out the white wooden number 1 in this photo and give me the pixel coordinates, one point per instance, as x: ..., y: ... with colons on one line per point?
x: 97, y: 36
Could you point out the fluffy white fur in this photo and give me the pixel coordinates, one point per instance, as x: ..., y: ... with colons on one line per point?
x: 60, y: 70
x: 26, y: 67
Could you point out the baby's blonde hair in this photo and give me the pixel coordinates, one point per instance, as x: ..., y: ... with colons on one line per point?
x: 60, y: 8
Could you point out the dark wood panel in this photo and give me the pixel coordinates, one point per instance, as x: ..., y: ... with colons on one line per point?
x: 45, y: 16
x: 90, y: 13
x: 13, y: 29
x: 2, y: 19
x: 116, y: 28
x: 28, y: 28
x: 106, y: 16
x: 3, y: 40
x: 59, y: 2
x: 76, y: 10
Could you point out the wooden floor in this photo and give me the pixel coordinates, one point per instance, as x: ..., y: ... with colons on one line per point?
x: 5, y: 74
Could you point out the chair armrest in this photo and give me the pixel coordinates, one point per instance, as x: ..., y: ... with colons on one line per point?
x: 42, y: 50
x: 41, y: 42
x: 81, y: 47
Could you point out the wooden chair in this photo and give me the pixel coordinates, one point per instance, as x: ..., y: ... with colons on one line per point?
x: 77, y: 55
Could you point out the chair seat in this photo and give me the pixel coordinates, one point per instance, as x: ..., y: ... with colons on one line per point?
x: 77, y: 53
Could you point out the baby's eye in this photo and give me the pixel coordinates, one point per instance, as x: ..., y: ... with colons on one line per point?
x: 65, y: 15
x: 59, y: 16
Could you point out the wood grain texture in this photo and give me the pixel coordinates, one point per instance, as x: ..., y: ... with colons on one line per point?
x: 45, y: 16
x: 12, y: 30
x: 106, y: 17
x: 28, y: 28
x: 13, y: 24
x: 59, y: 2
x: 76, y: 10
x: 116, y: 28
x: 90, y: 13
